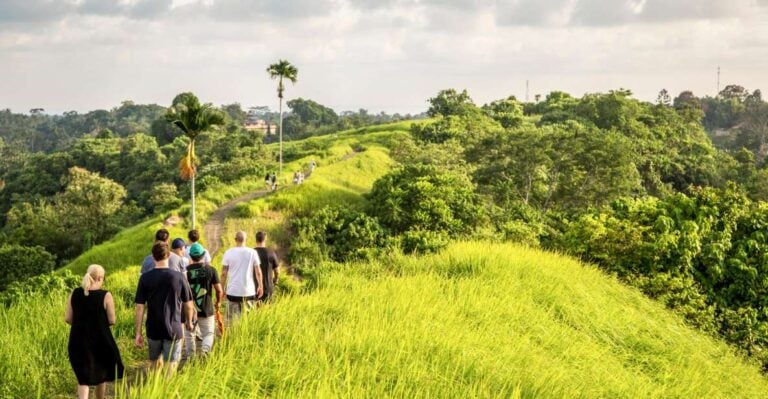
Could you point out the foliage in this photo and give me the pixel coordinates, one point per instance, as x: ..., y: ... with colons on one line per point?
x: 702, y: 253
x: 449, y: 102
x: 20, y: 262
x: 88, y: 211
x: 508, y: 112
x: 567, y: 167
x: 423, y: 197
x: 307, y: 117
x: 338, y: 234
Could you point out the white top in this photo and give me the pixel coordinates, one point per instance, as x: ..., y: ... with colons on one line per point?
x: 241, y: 262
x: 206, y: 256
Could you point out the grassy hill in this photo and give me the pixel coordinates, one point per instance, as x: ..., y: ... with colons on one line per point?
x: 478, y: 320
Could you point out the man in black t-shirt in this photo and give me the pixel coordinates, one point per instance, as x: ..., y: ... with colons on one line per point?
x: 269, y: 266
x: 203, y: 279
x: 164, y: 292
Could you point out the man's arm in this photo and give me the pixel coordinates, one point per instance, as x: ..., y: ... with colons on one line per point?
x: 257, y: 272
x: 224, y: 273
x: 189, y: 313
x: 138, y: 319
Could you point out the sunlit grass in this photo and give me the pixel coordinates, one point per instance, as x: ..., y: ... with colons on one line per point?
x: 478, y: 320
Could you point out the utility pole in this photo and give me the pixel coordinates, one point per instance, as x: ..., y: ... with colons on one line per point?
x: 526, y: 90
x: 718, y: 82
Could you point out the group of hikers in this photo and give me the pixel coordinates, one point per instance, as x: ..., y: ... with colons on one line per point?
x: 180, y: 292
x: 270, y: 180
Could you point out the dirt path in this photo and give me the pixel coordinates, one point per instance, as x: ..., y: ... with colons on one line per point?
x: 215, y: 224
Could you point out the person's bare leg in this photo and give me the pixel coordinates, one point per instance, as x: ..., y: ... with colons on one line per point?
x: 82, y: 391
x: 101, y: 390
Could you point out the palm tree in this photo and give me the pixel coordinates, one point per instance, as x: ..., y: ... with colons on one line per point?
x: 192, y: 118
x: 282, y: 70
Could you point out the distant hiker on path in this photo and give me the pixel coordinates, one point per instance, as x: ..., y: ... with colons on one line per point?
x: 203, y: 280
x: 177, y: 247
x: 174, y: 262
x: 241, y: 275
x: 268, y: 182
x: 93, y: 353
x: 165, y: 294
x: 274, y: 182
x: 194, y: 237
x: 269, y: 267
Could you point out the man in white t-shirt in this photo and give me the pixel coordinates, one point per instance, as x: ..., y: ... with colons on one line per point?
x: 241, y: 275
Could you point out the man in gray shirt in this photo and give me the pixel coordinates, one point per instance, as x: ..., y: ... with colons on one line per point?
x: 174, y: 262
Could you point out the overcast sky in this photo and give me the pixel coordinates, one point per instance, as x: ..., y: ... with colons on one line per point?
x: 386, y: 55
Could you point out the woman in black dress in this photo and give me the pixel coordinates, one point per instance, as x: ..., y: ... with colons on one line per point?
x: 93, y: 352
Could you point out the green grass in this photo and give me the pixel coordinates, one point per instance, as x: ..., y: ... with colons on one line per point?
x: 478, y: 320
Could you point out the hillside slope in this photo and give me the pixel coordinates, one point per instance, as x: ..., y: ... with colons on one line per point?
x: 477, y: 320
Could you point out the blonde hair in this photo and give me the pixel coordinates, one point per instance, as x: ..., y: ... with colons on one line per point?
x: 90, y: 277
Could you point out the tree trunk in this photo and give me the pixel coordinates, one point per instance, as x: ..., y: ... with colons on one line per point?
x: 281, y: 135
x: 193, y: 200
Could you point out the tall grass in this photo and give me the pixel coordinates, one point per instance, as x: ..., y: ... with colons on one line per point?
x: 478, y: 320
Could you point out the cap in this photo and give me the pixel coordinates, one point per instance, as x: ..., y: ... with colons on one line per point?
x: 196, y: 250
x: 178, y: 243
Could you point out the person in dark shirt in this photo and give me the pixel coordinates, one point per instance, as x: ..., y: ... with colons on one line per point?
x: 164, y: 293
x: 92, y: 350
x: 174, y: 262
x: 269, y: 267
x: 203, y: 280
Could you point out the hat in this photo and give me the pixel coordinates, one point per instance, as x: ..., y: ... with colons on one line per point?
x: 178, y: 243
x: 196, y: 250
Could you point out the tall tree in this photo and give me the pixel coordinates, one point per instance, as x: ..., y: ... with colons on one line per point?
x: 282, y: 70
x: 192, y: 118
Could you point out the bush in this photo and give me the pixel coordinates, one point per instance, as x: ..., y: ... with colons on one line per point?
x: 427, y: 198
x: 20, y: 262
x: 423, y: 241
x: 338, y: 234
x: 44, y: 284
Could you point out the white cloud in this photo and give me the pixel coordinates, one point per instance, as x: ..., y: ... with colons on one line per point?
x: 389, y: 55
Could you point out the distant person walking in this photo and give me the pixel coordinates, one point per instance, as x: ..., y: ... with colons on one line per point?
x: 241, y: 275
x: 93, y: 353
x: 194, y: 238
x: 268, y: 182
x: 269, y: 266
x: 174, y: 261
x: 203, y: 280
x: 274, y: 181
x: 178, y: 246
x: 164, y: 294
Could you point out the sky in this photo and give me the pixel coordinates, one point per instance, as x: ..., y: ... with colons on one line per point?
x: 381, y: 55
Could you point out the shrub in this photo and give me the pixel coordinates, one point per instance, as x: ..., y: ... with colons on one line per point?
x: 337, y: 234
x: 423, y: 241
x: 424, y: 197
x: 20, y: 262
x: 44, y: 284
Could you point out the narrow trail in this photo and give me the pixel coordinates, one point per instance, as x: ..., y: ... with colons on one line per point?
x: 214, y: 225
